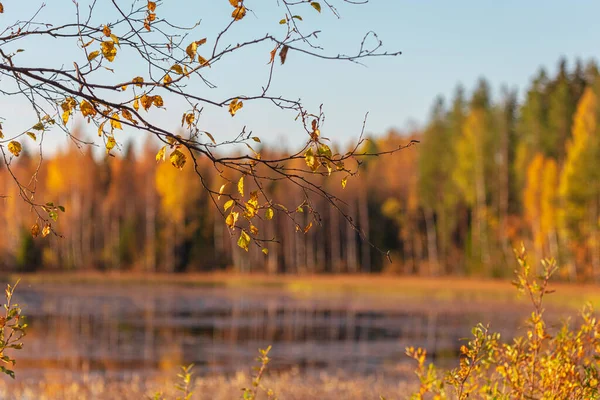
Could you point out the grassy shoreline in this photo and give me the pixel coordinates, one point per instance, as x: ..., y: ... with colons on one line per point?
x: 384, y: 286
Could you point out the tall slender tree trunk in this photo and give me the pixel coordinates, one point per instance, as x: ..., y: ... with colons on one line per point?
x: 432, y: 249
x: 363, y: 205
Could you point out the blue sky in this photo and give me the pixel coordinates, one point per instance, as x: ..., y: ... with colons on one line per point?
x: 443, y: 43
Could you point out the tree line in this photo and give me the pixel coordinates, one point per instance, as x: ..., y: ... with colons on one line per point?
x: 489, y: 172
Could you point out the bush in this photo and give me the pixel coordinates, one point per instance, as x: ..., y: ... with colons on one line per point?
x: 539, y: 364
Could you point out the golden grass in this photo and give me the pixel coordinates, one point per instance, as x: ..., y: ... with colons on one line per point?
x: 413, y: 289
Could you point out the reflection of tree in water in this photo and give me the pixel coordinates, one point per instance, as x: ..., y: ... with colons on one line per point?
x: 112, y: 329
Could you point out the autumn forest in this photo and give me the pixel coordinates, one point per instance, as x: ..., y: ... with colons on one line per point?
x: 489, y: 171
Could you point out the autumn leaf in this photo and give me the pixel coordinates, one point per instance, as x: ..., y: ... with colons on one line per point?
x: 137, y: 81
x: 93, y: 55
x: 316, y: 5
x: 32, y: 135
x: 239, y: 13
x: 108, y: 50
x: 15, y: 148
x: 87, y: 109
x: 39, y: 126
x: 136, y: 104
x: 283, y: 54
x: 265, y: 251
x: 151, y: 6
x: 227, y: 205
x: 178, y: 159
x: 234, y: 3
x: 115, y: 122
x: 240, y: 186
x: 311, y: 160
x: 210, y: 136
x: 244, y: 240
x: 344, y: 181
x: 157, y: 101
x: 1, y: 135
x: 234, y: 106
x: 272, y: 58
x: 269, y: 214
x: 106, y: 31
x: 127, y: 115
x: 256, y: 139
x: 203, y: 61
x: 46, y: 230
x: 151, y: 17
x: 221, y: 191
x: 177, y: 69
x: 146, y: 101
x: 167, y: 80
x: 1, y: 8
x: 161, y: 155
x: 253, y: 230
x: 231, y: 219
x: 35, y: 230
x: 110, y: 144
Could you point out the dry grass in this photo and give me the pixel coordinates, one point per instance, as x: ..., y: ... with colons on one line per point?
x: 406, y: 288
x: 287, y: 386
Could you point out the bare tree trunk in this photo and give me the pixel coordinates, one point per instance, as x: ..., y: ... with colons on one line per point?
x: 432, y: 250
x: 363, y: 212
x: 334, y: 237
x: 351, y: 258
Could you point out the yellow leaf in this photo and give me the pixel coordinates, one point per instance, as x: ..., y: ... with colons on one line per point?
x: 178, y: 159
x: 253, y: 230
x: 191, y: 50
x: 265, y: 251
x: 244, y: 240
x: 93, y: 55
x: 108, y: 50
x: 158, y: 101
x: 39, y: 126
x: 269, y: 214
x: 227, y: 205
x: 115, y: 39
x: 177, y: 69
x: 137, y: 81
x: 46, y: 230
x: 15, y: 148
x: 101, y: 128
x: 234, y: 106
x: 210, y: 137
x: 203, y: 61
x: 65, y: 116
x: 311, y: 160
x: 167, y: 80
x: 127, y: 115
x: 151, y: 6
x: 136, y: 104
x: 344, y: 181
x: 110, y: 144
x: 239, y: 13
x: 87, y: 109
x: 146, y: 101
x: 221, y: 191
x: 161, y: 155
x: 240, y: 186
x: 124, y: 87
x: 232, y: 219
x: 256, y: 139
x: 234, y: 3
x: 316, y: 5
x: 106, y: 31
x: 115, y: 122
x: 88, y: 43
x: 1, y: 135
x: 308, y: 227
x: 32, y: 135
x: 35, y: 230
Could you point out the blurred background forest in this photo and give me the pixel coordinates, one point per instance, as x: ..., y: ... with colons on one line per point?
x: 490, y: 171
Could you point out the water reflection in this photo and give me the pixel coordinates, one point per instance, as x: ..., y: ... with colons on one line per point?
x: 116, y: 329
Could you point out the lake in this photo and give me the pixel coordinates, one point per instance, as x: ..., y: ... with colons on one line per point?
x: 114, y: 330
